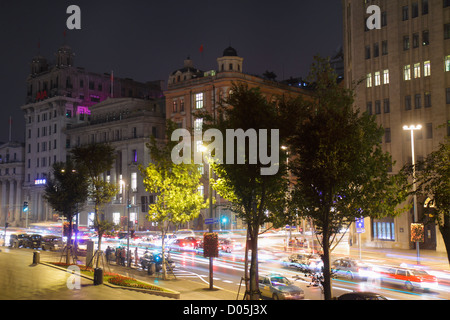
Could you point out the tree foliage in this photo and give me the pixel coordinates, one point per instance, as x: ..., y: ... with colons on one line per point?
x: 255, y: 198
x: 178, y: 197
x: 95, y: 159
x: 341, y: 171
x: 433, y: 184
x: 66, y: 192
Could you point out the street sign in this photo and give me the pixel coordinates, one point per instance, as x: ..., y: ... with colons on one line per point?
x: 211, y: 220
x: 360, y: 225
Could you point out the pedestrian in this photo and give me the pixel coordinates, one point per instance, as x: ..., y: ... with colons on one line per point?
x: 107, y: 253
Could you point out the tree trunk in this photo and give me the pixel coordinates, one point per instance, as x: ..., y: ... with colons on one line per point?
x: 326, y: 267
x: 163, y: 247
x: 254, y: 285
x: 445, y: 232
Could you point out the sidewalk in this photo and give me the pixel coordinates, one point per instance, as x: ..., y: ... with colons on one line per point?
x: 188, y: 289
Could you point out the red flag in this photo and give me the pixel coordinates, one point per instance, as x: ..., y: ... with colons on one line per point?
x: 201, y: 49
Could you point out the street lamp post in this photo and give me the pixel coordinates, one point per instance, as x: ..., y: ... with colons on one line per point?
x: 127, y: 190
x: 412, y: 128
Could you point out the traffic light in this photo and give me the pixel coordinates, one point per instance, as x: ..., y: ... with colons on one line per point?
x: 224, y: 219
x: 25, y: 206
x: 129, y: 203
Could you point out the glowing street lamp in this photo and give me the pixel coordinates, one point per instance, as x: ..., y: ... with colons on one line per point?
x: 413, y: 128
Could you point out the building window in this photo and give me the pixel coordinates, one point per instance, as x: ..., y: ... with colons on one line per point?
x: 376, y: 50
x: 133, y: 181
x: 383, y: 230
x: 386, y: 106
x: 405, y: 13
x: 407, y: 102
x: 415, y: 10
x: 377, y: 78
x: 174, y: 107
x: 424, y: 7
x: 415, y: 40
x: 377, y: 107
x: 429, y: 130
x: 198, y: 124
x: 427, y: 69
x: 369, y: 80
x: 134, y: 155
x: 384, y: 19
x: 384, y: 48
x: 425, y: 38
x: 387, y: 135
x: 407, y: 72
x: 418, y: 101
x: 199, y: 100
x: 447, y: 63
x: 369, y: 108
x: 181, y: 105
x: 427, y: 99
x: 416, y: 70
x: 446, y: 31
x: 386, y: 76
x: 406, y: 43
x: 367, y: 52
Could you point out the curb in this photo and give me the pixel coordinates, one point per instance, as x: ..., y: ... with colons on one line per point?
x: 164, y: 291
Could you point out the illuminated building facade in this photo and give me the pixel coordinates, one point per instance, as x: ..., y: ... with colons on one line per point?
x: 59, y: 96
x: 191, y: 90
x: 403, y: 71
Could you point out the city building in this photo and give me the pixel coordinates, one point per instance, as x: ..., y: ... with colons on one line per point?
x: 58, y: 96
x: 401, y: 74
x: 190, y: 90
x: 12, y: 160
x: 127, y: 125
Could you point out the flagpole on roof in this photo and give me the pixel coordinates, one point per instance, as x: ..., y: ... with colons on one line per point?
x: 112, y: 84
x: 10, y: 123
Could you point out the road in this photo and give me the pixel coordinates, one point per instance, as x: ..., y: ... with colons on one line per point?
x: 229, y: 269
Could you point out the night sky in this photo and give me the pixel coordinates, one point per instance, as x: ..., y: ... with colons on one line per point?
x: 147, y: 40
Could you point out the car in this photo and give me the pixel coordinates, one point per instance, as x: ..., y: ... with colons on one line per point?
x: 23, y: 238
x: 407, y: 277
x: 303, y: 262
x: 34, y: 241
x: 154, y: 257
x: 52, y: 243
x: 229, y: 245
x: 181, y: 245
x: 278, y: 287
x: 361, y: 296
x: 195, y: 241
x: 351, y: 269
x: 14, y: 241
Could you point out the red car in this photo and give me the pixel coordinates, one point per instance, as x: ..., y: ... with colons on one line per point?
x: 409, y: 278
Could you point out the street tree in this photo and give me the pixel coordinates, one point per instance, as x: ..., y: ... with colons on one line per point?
x: 433, y: 186
x: 95, y: 159
x: 255, y: 198
x: 340, y: 168
x: 66, y: 192
x: 178, y: 199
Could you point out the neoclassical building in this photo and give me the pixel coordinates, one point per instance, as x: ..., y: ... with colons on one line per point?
x: 127, y: 125
x: 191, y: 90
x: 12, y: 162
x: 59, y: 96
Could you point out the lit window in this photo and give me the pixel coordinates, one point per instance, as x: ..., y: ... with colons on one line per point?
x: 133, y: 181
x: 198, y: 124
x: 369, y: 80
x: 377, y: 78
x: 386, y: 76
x: 199, y: 100
x: 427, y: 69
x: 416, y: 70
x: 407, y: 72
x: 447, y: 63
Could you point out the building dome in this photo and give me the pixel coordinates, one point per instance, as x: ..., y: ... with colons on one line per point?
x: 230, y: 52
